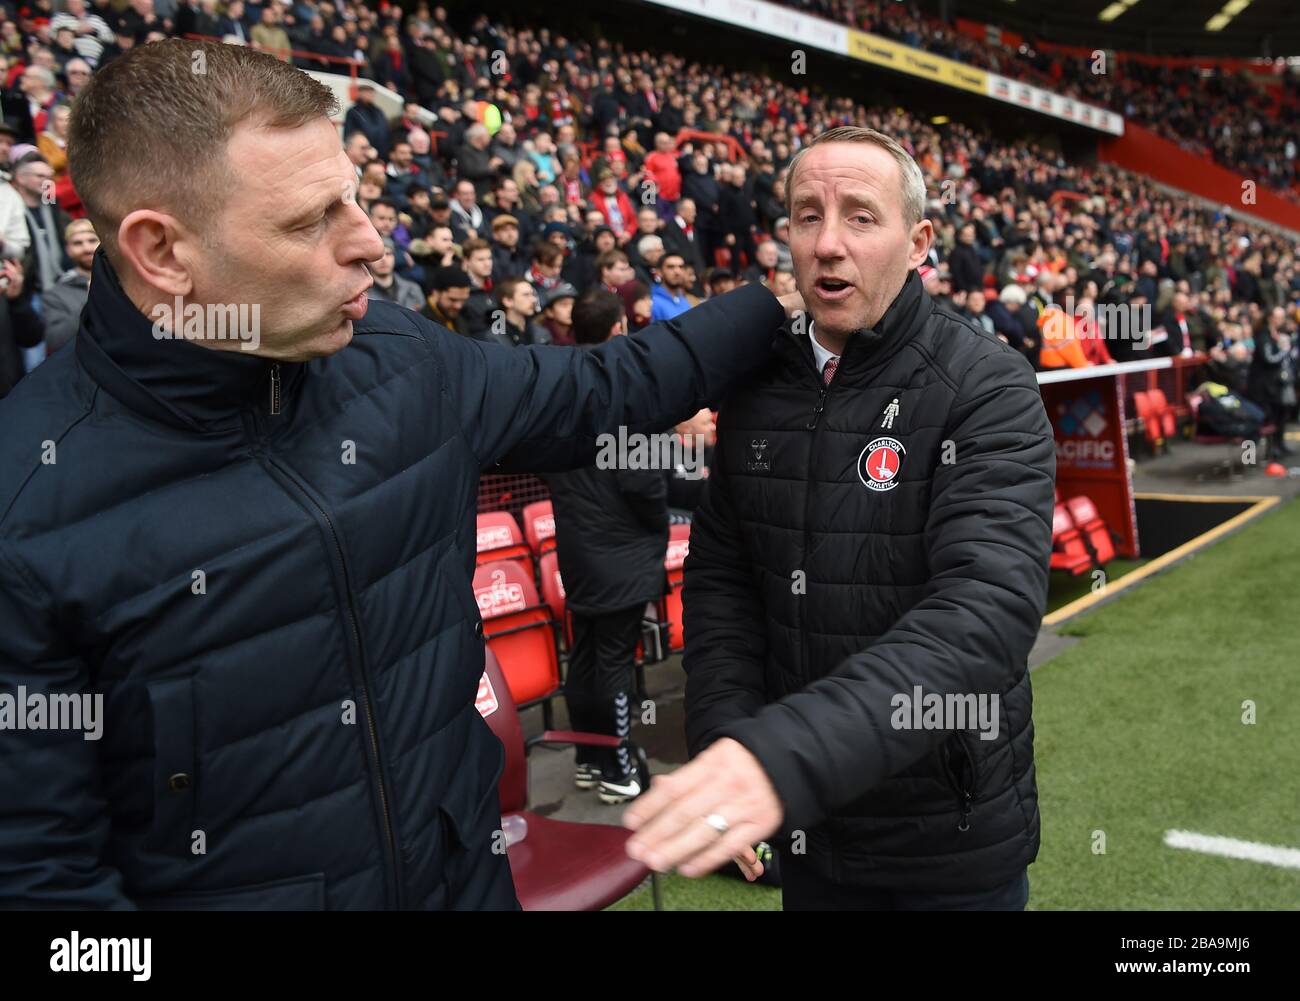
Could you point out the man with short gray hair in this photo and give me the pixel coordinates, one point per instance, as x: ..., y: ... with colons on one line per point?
x: 867, y: 574
x: 240, y: 506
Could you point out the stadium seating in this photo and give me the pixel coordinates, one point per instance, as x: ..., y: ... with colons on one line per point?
x: 519, y: 630
x: 1088, y: 523
x: 539, y: 527
x: 557, y: 865
x: 499, y: 539
x: 679, y: 544
x: 1068, y: 550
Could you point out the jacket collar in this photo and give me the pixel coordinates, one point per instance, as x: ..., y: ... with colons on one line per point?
x: 170, y: 380
x: 869, y: 348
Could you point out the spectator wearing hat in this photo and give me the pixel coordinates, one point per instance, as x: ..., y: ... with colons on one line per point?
x: 557, y: 313
x: 62, y: 303
x: 668, y: 296
x: 367, y: 118
x: 390, y: 286
x: 509, y: 259
x: 446, y: 302
x: 718, y: 281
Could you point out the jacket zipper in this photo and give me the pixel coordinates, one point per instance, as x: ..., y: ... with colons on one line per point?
x: 965, y: 797
x: 354, y: 624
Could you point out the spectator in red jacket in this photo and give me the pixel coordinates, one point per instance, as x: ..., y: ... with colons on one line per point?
x: 615, y: 206
x: 661, y: 167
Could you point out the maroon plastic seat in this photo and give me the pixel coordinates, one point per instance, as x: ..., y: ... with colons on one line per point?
x: 557, y: 865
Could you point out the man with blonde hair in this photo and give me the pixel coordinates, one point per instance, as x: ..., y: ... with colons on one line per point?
x: 867, y: 574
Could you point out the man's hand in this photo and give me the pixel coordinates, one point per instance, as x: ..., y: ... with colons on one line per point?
x: 675, y: 820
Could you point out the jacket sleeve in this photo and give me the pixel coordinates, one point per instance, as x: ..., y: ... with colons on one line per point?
x: 724, y: 624
x: 988, y: 536
x: 542, y: 408
x: 54, y: 820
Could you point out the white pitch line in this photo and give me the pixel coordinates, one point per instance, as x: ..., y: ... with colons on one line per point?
x: 1250, y: 851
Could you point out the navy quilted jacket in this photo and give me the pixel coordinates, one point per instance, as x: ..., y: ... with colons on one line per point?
x: 265, y: 572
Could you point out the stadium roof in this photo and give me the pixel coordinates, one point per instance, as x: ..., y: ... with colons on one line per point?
x: 1161, y: 27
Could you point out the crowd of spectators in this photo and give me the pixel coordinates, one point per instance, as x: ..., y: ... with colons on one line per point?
x: 527, y: 167
x: 1227, y: 116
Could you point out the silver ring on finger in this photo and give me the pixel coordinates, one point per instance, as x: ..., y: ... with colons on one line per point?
x: 718, y: 822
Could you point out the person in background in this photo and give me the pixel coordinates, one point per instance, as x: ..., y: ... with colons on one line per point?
x: 477, y: 256
x: 20, y: 326
x: 1271, y: 381
x: 390, y: 286
x: 611, y: 533
x: 53, y: 142
x: 61, y: 305
x: 668, y: 297
x: 637, y: 304
x: 46, y: 223
x: 513, y: 325
x: 444, y: 305
x: 686, y: 481
x: 557, y: 313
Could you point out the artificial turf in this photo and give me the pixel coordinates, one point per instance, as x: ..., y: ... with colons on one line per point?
x: 1139, y: 731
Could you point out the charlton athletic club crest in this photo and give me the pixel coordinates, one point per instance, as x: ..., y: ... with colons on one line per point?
x: 880, y: 463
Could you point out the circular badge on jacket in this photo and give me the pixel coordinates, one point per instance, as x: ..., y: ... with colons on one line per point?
x: 880, y: 463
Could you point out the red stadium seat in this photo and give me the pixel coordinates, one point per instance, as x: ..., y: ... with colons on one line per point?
x: 1163, y: 413
x: 1149, y: 421
x: 1094, y: 530
x: 557, y: 865
x: 518, y: 630
x: 1068, y: 551
x: 679, y: 544
x: 539, y: 526
x: 499, y: 539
